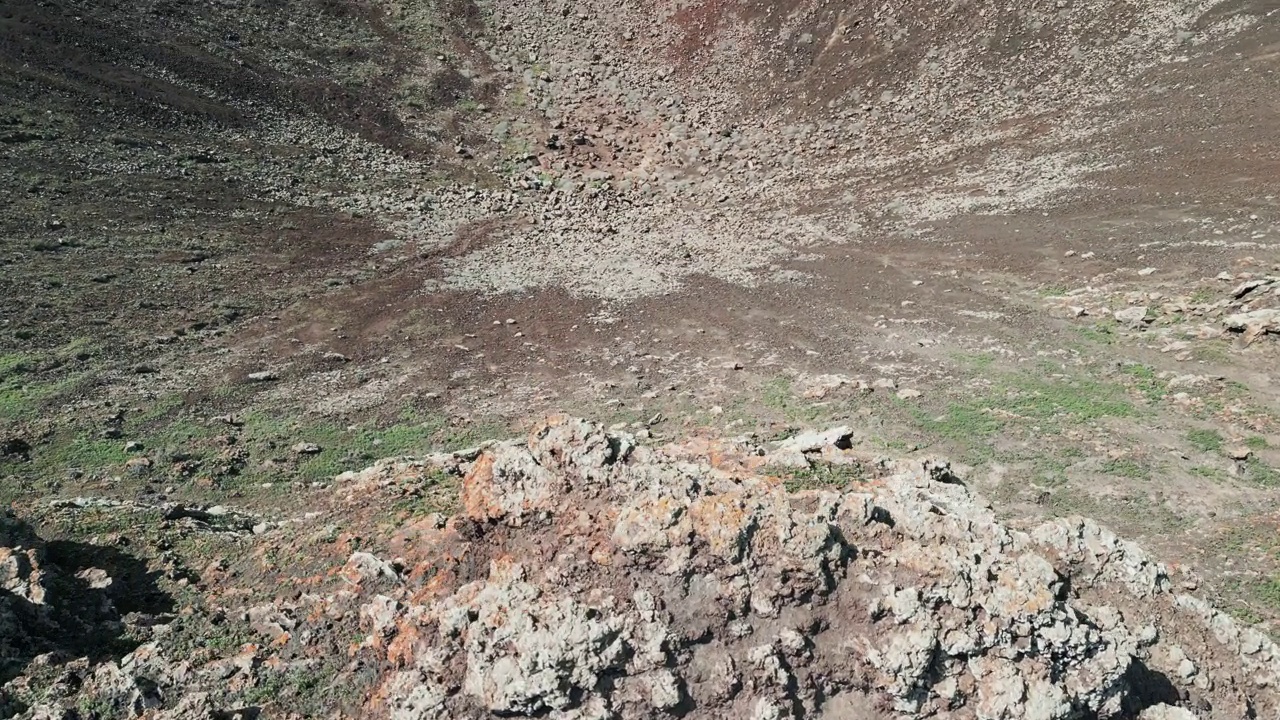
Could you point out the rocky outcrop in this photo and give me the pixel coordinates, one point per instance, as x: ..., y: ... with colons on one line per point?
x: 588, y: 577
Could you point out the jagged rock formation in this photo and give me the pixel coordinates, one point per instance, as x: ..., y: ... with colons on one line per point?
x: 588, y: 577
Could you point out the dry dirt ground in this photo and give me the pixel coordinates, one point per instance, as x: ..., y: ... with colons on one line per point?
x: 247, y: 246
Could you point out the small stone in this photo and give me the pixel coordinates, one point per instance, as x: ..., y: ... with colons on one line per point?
x: 138, y: 466
x: 95, y: 578
x: 909, y: 394
x: 792, y: 641
x: 1167, y: 712
x: 306, y: 448
x: 1239, y: 452
x: 766, y: 709
x: 261, y: 376
x: 1135, y: 315
x: 664, y: 690
x: 133, y: 446
x: 370, y: 567
x: 1147, y: 271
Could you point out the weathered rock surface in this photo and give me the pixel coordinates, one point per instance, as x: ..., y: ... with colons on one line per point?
x: 588, y: 577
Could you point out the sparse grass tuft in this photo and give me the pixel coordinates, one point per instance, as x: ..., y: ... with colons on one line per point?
x: 1262, y: 473
x: 1100, y: 333
x: 1047, y: 402
x: 1268, y: 592
x: 14, y: 364
x: 1082, y: 400
x: 1145, y: 380
x: 16, y: 397
x: 975, y: 361
x: 347, y: 448
x: 1208, y: 473
x: 1256, y: 442
x: 28, y: 381
x: 437, y: 493
x: 89, y: 455
x: 777, y: 394
x: 1205, y: 440
x: 1127, y: 468
x: 1244, y: 614
x: 823, y: 476
x: 1202, y: 296
x: 1211, y: 352
x: 963, y: 421
x: 1051, y: 470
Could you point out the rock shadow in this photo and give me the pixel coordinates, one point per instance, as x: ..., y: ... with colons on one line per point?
x: 68, y: 598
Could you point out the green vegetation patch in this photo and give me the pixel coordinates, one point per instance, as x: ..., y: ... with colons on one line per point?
x: 30, y: 381
x: 1205, y: 440
x: 84, y: 454
x: 437, y: 493
x: 1127, y: 468
x: 18, y: 398
x: 823, y: 476
x: 975, y: 361
x: 1266, y: 592
x: 1208, y: 473
x: 1261, y: 473
x: 353, y: 448
x: 777, y: 394
x: 13, y: 365
x: 1045, y: 401
x: 1101, y: 333
x: 1145, y: 381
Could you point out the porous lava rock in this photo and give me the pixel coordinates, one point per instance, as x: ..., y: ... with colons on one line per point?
x: 589, y: 577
